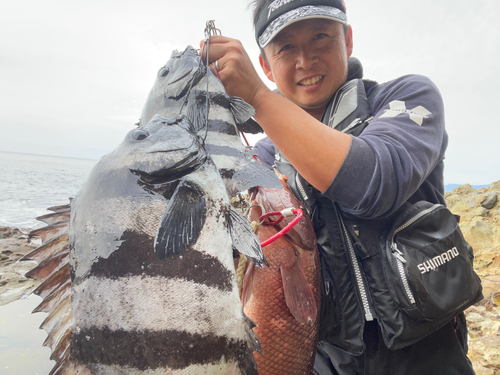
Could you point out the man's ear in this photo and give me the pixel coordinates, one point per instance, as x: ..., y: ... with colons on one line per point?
x: 266, y: 68
x: 349, y: 41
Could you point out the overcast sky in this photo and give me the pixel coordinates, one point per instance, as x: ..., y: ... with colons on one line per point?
x: 74, y: 75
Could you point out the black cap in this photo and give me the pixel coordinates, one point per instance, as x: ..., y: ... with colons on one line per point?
x: 281, y: 13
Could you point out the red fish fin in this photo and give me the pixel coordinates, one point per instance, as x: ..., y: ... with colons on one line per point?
x: 248, y: 283
x: 299, y: 296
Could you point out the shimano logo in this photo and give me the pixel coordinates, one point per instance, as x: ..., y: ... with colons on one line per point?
x: 276, y: 4
x: 438, y: 261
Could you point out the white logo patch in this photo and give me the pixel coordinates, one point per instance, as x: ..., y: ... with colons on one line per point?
x: 398, y: 107
x: 275, y: 5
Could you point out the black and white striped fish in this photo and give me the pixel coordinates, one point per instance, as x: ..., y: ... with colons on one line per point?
x: 143, y: 281
x: 181, y: 87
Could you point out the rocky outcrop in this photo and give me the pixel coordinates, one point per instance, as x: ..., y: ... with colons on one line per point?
x: 479, y: 211
x: 14, y: 245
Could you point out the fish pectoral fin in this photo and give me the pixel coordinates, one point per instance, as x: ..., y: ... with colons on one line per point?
x: 299, y: 296
x: 242, y: 111
x: 197, y: 110
x: 244, y: 239
x: 182, y: 221
x: 250, y: 126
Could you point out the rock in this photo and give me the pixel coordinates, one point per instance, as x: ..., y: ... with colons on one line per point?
x: 472, y: 203
x: 491, y: 284
x: 456, y: 203
x: 481, y: 228
x: 13, y: 246
x: 8, y: 232
x: 490, y: 201
x: 478, y: 233
x: 464, y: 190
x: 495, y: 186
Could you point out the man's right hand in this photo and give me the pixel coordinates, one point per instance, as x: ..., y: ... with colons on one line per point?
x: 236, y: 70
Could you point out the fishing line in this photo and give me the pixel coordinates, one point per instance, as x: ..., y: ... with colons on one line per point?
x: 285, y: 213
x: 210, y: 30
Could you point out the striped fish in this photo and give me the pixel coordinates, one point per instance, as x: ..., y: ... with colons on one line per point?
x: 137, y: 272
x: 181, y: 88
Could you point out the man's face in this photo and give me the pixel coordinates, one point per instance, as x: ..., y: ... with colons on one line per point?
x: 308, y: 62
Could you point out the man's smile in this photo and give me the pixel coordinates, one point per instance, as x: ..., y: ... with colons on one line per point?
x: 311, y: 81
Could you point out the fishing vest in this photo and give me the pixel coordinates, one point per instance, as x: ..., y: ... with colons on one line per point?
x: 361, y: 280
x: 343, y: 312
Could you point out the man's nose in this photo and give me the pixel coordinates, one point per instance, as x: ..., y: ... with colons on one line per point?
x: 306, y: 59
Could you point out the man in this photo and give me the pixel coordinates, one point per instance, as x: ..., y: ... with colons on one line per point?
x: 351, y: 149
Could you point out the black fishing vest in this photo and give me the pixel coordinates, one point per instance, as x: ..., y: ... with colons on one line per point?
x: 343, y: 313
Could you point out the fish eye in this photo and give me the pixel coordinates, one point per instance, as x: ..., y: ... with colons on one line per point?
x: 138, y: 135
x: 163, y: 72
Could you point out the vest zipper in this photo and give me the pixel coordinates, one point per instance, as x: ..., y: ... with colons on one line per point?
x: 355, y: 123
x: 302, y: 192
x: 398, y: 254
x: 357, y: 273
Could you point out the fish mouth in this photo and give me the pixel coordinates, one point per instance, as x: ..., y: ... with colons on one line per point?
x: 184, y: 70
x: 174, y: 171
x: 311, y: 81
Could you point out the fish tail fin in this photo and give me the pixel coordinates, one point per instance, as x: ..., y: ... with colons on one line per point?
x: 298, y: 293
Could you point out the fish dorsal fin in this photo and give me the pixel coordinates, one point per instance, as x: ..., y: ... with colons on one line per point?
x: 49, y: 249
x: 62, y: 208
x: 242, y: 111
x: 55, y: 289
x: 54, y: 217
x: 182, y: 221
x: 54, y: 230
x: 244, y: 238
x: 299, y: 296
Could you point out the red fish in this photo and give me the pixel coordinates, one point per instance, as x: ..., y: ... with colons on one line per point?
x: 283, y: 299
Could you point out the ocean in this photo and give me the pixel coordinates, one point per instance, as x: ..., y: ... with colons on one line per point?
x: 29, y: 184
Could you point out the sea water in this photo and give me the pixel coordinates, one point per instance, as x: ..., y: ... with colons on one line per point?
x: 29, y: 184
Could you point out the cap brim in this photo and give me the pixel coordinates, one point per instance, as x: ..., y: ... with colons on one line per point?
x: 299, y: 14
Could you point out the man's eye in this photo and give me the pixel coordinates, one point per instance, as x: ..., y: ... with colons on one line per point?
x: 286, y: 47
x: 321, y: 36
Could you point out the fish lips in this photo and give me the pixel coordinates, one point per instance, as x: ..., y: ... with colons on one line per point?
x: 170, y: 149
x: 183, y: 70
x: 174, y: 170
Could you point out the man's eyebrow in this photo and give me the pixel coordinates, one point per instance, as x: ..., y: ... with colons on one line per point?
x: 282, y: 37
